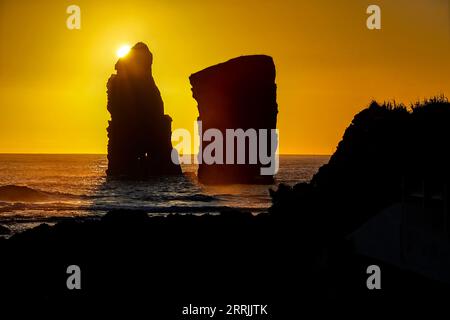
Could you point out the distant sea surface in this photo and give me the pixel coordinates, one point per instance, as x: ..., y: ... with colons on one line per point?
x: 63, y: 186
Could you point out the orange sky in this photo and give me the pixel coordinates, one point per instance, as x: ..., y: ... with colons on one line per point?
x: 329, y: 65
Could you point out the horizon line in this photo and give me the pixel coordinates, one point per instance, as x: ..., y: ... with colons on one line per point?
x: 104, y: 154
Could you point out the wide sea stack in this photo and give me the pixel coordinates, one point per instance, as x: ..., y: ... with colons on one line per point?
x: 237, y: 94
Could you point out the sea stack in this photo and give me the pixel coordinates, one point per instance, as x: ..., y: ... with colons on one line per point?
x: 237, y: 94
x: 139, y: 132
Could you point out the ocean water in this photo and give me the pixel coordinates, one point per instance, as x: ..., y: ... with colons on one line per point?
x: 62, y: 186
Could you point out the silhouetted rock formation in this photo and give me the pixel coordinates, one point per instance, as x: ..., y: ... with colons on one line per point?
x: 240, y: 93
x: 139, y: 132
x: 385, y: 148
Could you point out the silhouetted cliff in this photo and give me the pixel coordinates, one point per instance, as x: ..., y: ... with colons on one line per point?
x: 385, y: 150
x: 139, y: 132
x: 237, y: 94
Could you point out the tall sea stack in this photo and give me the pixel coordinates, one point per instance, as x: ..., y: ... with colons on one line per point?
x: 139, y: 132
x: 237, y: 94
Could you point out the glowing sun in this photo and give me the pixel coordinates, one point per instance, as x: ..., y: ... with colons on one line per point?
x: 123, y: 51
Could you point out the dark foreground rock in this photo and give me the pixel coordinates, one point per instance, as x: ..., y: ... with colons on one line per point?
x: 155, y: 266
x: 139, y: 132
x: 237, y: 94
x: 4, y: 230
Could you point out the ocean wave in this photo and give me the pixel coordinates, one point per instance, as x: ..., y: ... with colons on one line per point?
x: 12, y: 193
x: 16, y: 193
x: 193, y: 197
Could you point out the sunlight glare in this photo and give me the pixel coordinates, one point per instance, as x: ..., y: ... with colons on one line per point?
x: 123, y: 51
